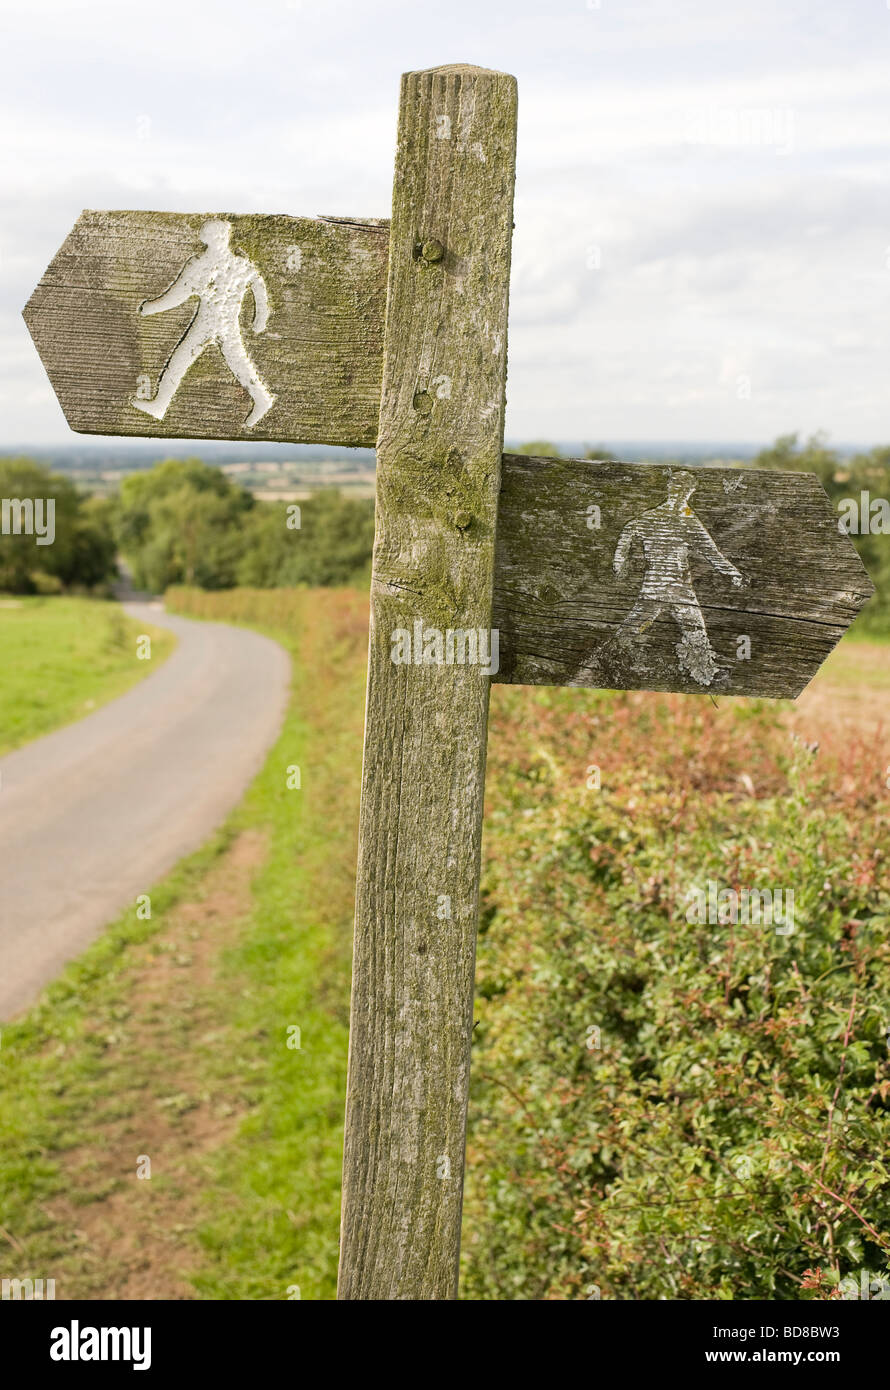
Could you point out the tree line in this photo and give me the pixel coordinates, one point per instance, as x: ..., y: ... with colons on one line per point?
x: 182, y: 522
x: 185, y: 522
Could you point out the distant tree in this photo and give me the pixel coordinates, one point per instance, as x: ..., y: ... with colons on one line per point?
x: 82, y: 551
x: 182, y: 522
x: 94, y: 547
x: 815, y: 456
x: 847, y: 480
x: 539, y: 448
x: 332, y: 545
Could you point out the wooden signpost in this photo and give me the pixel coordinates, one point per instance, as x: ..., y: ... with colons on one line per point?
x: 486, y: 567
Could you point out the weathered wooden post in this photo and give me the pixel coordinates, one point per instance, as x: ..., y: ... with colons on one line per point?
x: 438, y: 476
x: 523, y: 570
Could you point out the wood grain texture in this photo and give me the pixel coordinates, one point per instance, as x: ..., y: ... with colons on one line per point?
x: 438, y: 467
x: 321, y: 353
x: 566, y: 618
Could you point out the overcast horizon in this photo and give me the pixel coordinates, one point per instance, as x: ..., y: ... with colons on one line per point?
x: 702, y: 243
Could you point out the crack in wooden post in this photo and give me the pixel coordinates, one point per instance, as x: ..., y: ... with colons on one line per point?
x: 438, y: 479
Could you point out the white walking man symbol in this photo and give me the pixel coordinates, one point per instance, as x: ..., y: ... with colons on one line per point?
x: 670, y: 535
x: 219, y: 277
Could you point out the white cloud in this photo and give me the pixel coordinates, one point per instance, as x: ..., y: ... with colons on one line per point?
x: 701, y: 188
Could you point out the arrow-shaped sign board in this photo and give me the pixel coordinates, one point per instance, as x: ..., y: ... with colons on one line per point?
x: 731, y: 581
x: 215, y: 326
x: 517, y: 569
x: 626, y: 576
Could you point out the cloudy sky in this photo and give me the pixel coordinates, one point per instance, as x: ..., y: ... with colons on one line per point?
x: 702, y: 245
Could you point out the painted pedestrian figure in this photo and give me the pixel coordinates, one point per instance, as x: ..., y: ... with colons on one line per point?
x: 219, y: 278
x: 670, y: 537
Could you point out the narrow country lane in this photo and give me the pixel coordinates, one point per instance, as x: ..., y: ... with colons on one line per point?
x: 93, y: 814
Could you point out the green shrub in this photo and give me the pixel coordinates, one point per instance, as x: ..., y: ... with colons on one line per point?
x: 666, y: 1108
x: 331, y: 545
x: 184, y: 523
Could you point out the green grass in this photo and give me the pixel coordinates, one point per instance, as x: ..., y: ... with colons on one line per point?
x: 100, y: 1052
x: 859, y: 661
x: 274, y: 1219
x: 60, y: 658
x: 138, y: 1049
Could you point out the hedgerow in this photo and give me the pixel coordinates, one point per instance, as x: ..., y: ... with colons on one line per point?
x: 666, y: 1108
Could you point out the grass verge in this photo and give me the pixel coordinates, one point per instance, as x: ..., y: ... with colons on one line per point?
x: 168, y: 1039
x: 634, y: 1166
x: 60, y: 658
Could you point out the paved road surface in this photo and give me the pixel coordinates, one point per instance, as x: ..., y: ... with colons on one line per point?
x: 93, y: 814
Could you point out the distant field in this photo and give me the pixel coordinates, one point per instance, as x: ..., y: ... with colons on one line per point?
x: 60, y: 658
x: 857, y: 662
x: 659, y: 1107
x: 851, y: 691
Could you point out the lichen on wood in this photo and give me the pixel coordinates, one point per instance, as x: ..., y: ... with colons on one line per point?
x: 321, y: 353
x: 438, y: 478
